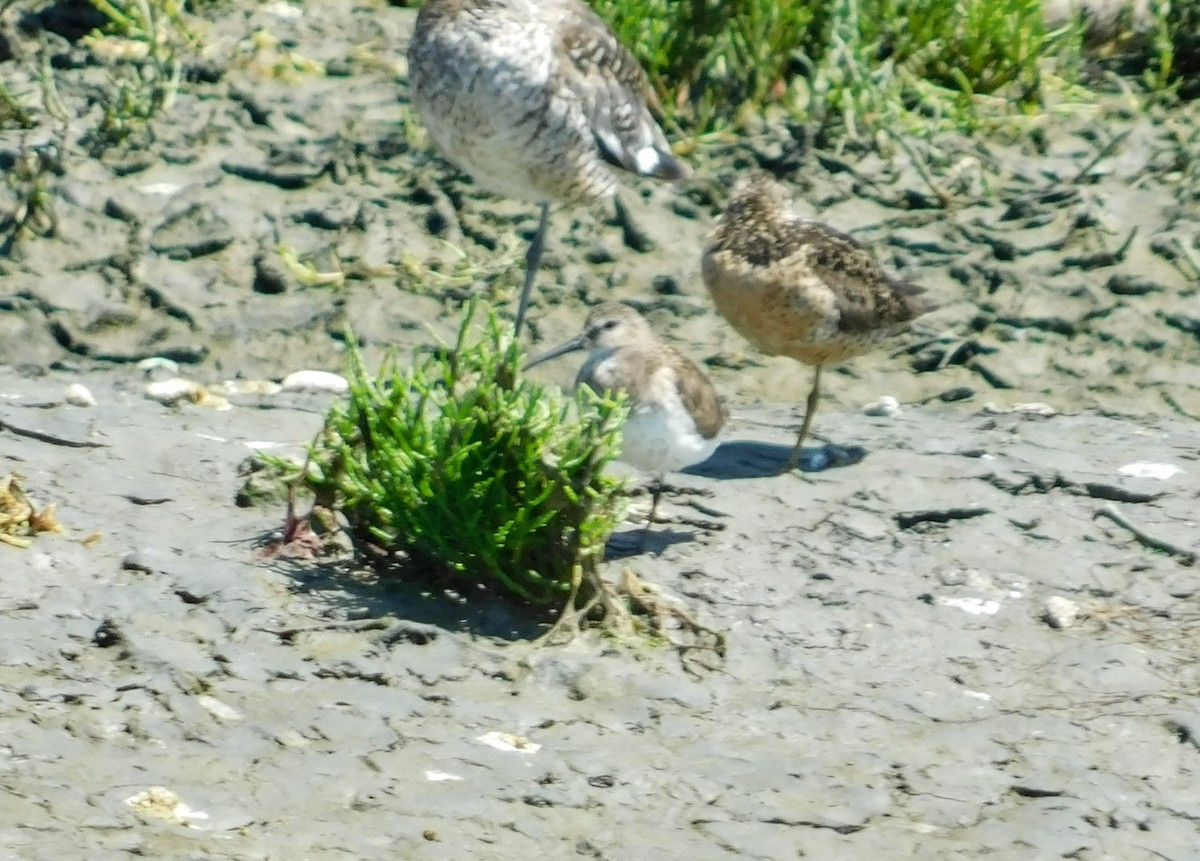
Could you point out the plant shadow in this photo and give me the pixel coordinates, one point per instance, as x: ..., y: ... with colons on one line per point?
x: 405, y: 602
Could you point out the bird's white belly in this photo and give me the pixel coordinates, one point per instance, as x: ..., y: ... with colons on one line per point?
x: 664, y: 440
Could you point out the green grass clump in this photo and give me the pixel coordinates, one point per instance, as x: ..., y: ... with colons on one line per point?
x: 13, y: 112
x: 927, y: 65
x: 470, y: 471
x: 972, y: 47
x: 709, y: 59
x: 863, y: 61
x: 145, y: 43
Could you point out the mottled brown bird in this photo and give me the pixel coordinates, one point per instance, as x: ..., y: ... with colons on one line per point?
x: 675, y: 418
x: 536, y: 99
x: 795, y: 287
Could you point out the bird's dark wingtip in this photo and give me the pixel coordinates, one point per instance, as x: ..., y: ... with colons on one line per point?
x: 670, y: 168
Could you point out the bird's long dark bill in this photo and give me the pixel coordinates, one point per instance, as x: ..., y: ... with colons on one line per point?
x: 561, y: 350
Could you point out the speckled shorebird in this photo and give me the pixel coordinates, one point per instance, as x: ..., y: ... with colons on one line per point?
x: 675, y: 418
x: 795, y: 287
x: 535, y: 99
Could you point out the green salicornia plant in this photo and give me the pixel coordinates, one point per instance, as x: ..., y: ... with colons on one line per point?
x: 145, y: 42
x: 466, y: 469
x: 710, y: 59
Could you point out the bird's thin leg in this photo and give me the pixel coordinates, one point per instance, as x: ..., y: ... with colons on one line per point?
x: 533, y: 259
x: 658, y: 489
x: 809, y: 412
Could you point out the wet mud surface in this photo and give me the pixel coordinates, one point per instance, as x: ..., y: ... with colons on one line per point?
x: 981, y: 636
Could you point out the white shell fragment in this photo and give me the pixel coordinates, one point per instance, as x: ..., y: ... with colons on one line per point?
x: 246, y: 387
x: 219, y: 709
x: 508, y: 742
x: 1161, y: 471
x: 315, y: 381
x: 440, y: 775
x: 77, y: 395
x: 158, y: 367
x: 161, y: 803
x: 887, y: 407
x: 974, y: 606
x: 1036, y: 408
x: 161, y: 189
x: 1060, y: 612
x: 173, y: 391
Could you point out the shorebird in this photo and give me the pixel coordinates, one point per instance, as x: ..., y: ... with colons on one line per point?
x: 535, y: 99
x: 795, y: 287
x: 675, y: 418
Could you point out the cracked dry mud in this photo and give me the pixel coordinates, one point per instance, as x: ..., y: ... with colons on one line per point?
x: 893, y: 685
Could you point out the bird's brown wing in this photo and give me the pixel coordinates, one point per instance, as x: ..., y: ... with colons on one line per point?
x: 866, y: 296
x: 615, y: 95
x: 698, y: 395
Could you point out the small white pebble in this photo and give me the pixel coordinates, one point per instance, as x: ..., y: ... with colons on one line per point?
x: 162, y: 803
x: 315, y: 381
x: 164, y: 189
x: 172, y: 391
x: 886, y: 406
x: 247, y: 387
x: 219, y: 709
x: 77, y: 395
x: 158, y: 367
x: 284, y: 10
x: 974, y: 606
x: 1060, y: 612
x: 1035, y: 408
x: 440, y: 775
x: 507, y: 741
x: 1161, y: 471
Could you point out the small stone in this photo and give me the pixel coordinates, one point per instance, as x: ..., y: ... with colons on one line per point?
x: 218, y: 709
x: 135, y: 561
x: 665, y: 285
x: 1035, y: 408
x: 158, y: 368
x: 108, y: 634
x: 270, y: 278
x: 887, y: 406
x: 177, y: 390
x: 315, y: 381
x: 77, y: 395
x: 1060, y: 612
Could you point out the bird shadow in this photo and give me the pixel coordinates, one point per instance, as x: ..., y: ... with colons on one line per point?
x: 638, y: 542
x: 753, y: 459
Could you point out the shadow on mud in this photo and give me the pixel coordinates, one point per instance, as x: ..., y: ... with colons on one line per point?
x: 751, y: 459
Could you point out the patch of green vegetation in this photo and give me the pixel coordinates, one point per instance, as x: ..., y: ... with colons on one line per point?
x: 864, y: 62
x: 145, y: 43
x: 710, y: 59
x: 866, y: 65
x: 472, y: 472
x: 13, y: 113
x: 31, y: 181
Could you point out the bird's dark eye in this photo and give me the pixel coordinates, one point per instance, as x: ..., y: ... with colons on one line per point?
x: 608, y: 324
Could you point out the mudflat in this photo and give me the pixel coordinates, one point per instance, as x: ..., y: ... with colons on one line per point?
x: 979, y: 638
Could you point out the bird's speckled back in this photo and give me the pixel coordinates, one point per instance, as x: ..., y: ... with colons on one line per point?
x: 534, y: 99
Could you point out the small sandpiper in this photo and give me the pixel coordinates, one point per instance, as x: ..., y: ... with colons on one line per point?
x: 675, y: 419
x: 795, y: 287
x: 535, y: 99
